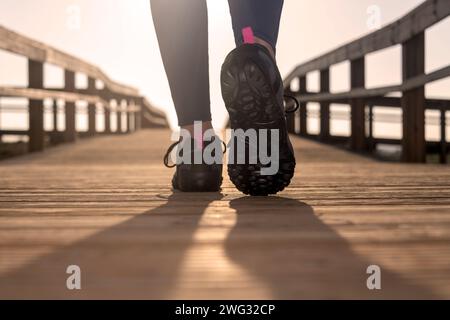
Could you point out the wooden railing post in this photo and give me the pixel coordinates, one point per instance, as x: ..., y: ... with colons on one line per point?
x: 92, y: 108
x: 413, y: 101
x: 443, y: 123
x: 119, y: 116
x: 107, y: 112
x: 131, y: 115
x: 128, y: 121
x: 371, y: 146
x: 55, y: 115
x: 357, y: 106
x: 131, y: 121
x: 128, y: 116
x: 303, y: 107
x: 36, y: 107
x: 290, y: 117
x: 0, y: 119
x: 324, y: 106
x: 137, y: 119
x: 55, y: 136
x: 106, y: 95
x: 70, y: 135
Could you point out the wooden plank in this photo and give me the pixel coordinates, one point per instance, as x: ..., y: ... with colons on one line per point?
x: 409, y: 84
x: 415, y: 22
x: 413, y: 101
x: 36, y: 108
x: 430, y: 104
x: 14, y: 132
x: 357, y: 106
x: 41, y: 94
x: 394, y: 102
x: 324, y: 106
x: 13, y: 42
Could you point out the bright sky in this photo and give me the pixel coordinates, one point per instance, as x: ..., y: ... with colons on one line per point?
x: 118, y: 36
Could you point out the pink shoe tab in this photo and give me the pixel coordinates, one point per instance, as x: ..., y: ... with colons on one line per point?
x: 247, y: 34
x: 198, y: 138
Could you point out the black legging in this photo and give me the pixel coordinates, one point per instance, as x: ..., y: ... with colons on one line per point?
x: 182, y: 31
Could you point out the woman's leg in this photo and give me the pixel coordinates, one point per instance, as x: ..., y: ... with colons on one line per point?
x: 252, y: 89
x: 182, y: 31
x: 262, y: 16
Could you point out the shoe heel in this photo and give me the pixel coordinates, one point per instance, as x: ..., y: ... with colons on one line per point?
x: 200, y: 178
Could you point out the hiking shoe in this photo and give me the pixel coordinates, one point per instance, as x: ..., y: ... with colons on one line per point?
x: 252, y: 89
x: 192, y: 177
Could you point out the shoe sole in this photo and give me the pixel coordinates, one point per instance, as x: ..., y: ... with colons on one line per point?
x: 252, y: 104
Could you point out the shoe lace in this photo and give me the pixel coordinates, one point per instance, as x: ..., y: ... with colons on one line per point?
x: 297, y: 104
x: 167, y: 155
x: 170, y: 149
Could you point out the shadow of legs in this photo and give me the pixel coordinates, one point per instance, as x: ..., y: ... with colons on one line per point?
x: 283, y: 244
x: 138, y: 258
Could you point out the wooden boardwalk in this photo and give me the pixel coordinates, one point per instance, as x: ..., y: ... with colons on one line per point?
x: 105, y: 205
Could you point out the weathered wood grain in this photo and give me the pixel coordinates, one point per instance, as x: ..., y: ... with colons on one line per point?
x: 106, y: 205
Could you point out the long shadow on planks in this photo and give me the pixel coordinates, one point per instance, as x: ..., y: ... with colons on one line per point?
x: 136, y: 259
x: 280, y: 242
x: 283, y: 243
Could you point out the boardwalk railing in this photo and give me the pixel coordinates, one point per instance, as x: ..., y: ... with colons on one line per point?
x: 409, y: 31
x: 101, y: 95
